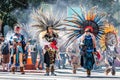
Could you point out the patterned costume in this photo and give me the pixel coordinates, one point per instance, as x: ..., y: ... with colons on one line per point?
x: 49, y: 57
x: 88, y: 21
x: 46, y: 22
x: 109, y: 45
x: 18, y: 40
x: 88, y: 58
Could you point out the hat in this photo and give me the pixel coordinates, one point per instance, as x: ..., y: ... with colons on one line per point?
x: 88, y: 29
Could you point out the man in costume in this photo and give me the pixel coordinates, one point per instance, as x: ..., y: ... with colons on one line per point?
x: 46, y: 25
x: 18, y: 40
x: 109, y: 46
x: 88, y: 26
x: 88, y: 47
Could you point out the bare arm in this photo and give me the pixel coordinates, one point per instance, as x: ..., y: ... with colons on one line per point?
x: 94, y: 41
x: 82, y: 39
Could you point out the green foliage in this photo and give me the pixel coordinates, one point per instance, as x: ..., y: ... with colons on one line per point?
x: 7, y: 6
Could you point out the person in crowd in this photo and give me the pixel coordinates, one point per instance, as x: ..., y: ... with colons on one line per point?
x: 41, y: 56
x: 75, y: 62
x: 1, y: 43
x: 58, y: 61
x: 6, y: 55
x: 69, y: 52
x: 62, y: 51
x: 33, y: 51
x: 73, y: 58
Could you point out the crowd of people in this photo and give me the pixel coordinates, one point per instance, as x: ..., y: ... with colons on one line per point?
x: 15, y: 52
x: 80, y: 49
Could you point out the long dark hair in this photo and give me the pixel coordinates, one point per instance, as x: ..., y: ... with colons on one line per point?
x: 48, y: 28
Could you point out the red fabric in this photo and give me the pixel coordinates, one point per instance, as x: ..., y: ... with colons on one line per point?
x: 89, y: 27
x: 53, y: 45
x: 98, y: 55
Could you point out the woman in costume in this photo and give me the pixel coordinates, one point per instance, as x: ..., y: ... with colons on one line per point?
x: 18, y: 39
x: 47, y: 24
x: 109, y: 46
x: 88, y: 26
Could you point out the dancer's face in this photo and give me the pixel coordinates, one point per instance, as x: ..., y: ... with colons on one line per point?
x: 50, y: 30
x: 111, y: 39
x: 17, y: 30
x: 87, y: 31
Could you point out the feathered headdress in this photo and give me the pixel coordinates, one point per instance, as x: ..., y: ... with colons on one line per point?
x: 43, y: 20
x: 109, y: 28
x: 87, y: 19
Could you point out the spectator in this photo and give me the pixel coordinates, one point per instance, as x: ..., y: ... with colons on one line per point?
x: 41, y: 56
x: 6, y: 55
x: 75, y: 62
x: 33, y: 50
x: 58, y: 60
x: 27, y: 48
x: 62, y: 51
x: 1, y: 43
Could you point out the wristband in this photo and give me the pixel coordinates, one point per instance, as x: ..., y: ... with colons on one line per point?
x: 94, y: 49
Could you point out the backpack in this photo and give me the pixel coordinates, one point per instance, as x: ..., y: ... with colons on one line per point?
x: 5, y: 49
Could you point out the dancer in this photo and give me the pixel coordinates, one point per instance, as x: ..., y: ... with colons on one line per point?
x: 89, y: 26
x: 109, y: 45
x: 47, y: 23
x: 88, y: 48
x: 18, y: 39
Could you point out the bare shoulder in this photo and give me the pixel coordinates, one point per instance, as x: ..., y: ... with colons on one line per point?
x: 92, y: 35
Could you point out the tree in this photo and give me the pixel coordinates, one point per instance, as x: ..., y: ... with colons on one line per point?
x: 6, y: 7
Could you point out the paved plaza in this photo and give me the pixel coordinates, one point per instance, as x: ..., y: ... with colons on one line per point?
x: 62, y: 74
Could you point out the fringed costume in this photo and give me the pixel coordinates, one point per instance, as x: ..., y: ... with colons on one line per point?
x: 88, y: 26
x: 47, y: 23
x: 109, y: 45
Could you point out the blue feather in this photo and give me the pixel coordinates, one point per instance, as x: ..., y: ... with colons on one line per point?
x: 97, y: 18
x: 77, y: 15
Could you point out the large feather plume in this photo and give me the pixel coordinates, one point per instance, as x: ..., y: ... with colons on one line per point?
x: 108, y: 29
x: 77, y: 24
x: 43, y: 20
